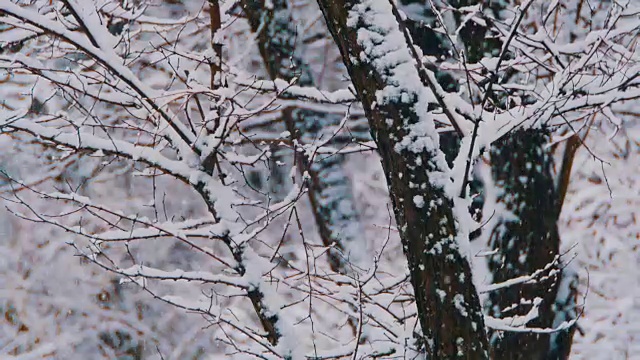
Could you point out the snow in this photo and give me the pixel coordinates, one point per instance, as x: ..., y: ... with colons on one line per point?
x: 458, y: 302
x: 106, y: 170
x: 418, y: 200
x: 178, y: 275
x: 110, y: 59
x: 385, y: 48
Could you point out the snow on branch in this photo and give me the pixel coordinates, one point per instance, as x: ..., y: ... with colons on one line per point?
x: 289, y: 90
x: 177, y: 131
x: 90, y: 142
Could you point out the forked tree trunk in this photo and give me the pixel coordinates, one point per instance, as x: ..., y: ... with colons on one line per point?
x: 375, y: 51
x: 559, y: 301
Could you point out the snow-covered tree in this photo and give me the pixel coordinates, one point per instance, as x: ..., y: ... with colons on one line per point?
x: 396, y: 88
x: 207, y: 164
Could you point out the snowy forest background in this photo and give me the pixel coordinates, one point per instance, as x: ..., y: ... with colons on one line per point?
x: 202, y: 179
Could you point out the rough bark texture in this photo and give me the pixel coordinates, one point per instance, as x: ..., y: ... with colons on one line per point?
x: 447, y: 301
x: 437, y: 45
x: 330, y: 190
x: 527, y: 241
x: 478, y: 44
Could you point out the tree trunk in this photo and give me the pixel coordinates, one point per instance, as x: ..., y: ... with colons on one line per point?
x: 330, y: 191
x: 558, y: 304
x: 386, y: 77
x: 526, y: 241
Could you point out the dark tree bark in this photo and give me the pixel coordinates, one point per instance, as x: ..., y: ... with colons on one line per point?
x: 448, y: 306
x: 559, y: 301
x: 330, y: 191
x: 437, y: 45
x: 527, y: 242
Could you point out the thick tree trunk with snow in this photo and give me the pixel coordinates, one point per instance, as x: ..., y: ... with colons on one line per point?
x: 509, y: 171
x: 526, y: 241
x: 385, y: 75
x: 330, y: 190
